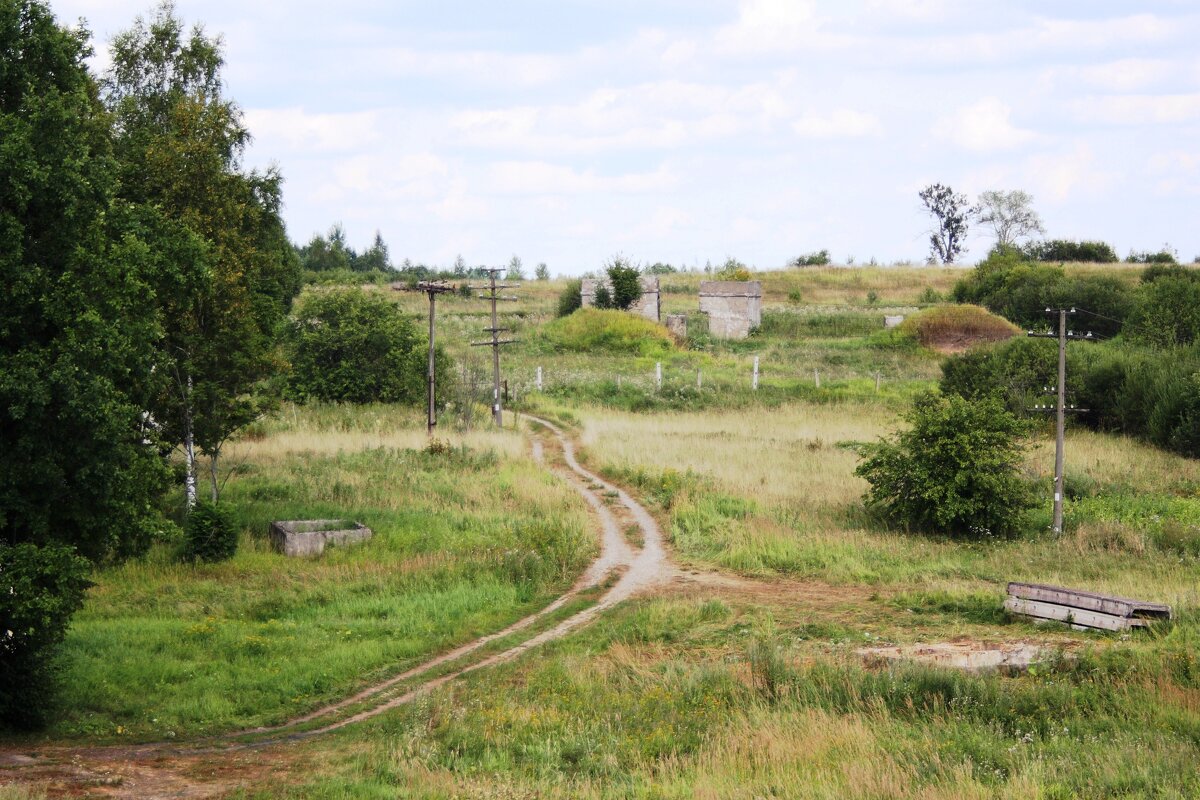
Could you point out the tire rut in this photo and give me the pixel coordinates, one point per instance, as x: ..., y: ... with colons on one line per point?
x: 638, y: 570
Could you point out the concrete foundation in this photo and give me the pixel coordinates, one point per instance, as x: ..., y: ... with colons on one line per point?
x: 677, y: 325
x: 647, y: 305
x: 733, y: 307
x: 308, y: 537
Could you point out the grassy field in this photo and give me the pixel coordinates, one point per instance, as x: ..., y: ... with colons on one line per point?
x: 751, y: 686
x: 465, y: 542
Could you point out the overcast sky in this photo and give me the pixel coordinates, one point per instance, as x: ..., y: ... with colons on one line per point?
x: 692, y: 130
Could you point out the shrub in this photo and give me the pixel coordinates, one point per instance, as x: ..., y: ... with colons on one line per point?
x: 930, y: 296
x: 819, y: 258
x: 346, y: 345
x: 955, y: 471
x: 1155, y: 271
x: 1007, y: 283
x: 1066, y: 250
x: 210, y: 533
x: 571, y: 298
x: 659, y: 268
x: 40, y: 588
x: 957, y: 326
x: 1165, y: 256
x: 1015, y: 372
x: 625, y: 282
x: 1167, y: 312
x: 795, y: 296
x: 733, y: 270
x: 590, y: 329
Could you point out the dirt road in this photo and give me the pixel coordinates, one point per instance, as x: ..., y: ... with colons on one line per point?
x: 168, y: 769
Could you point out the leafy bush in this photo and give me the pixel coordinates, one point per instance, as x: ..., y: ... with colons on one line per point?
x: 957, y: 326
x: 210, y: 533
x: 955, y: 471
x: 1164, y: 256
x: 733, y: 270
x: 1007, y: 283
x: 1167, y: 312
x: 571, y: 298
x: 346, y: 345
x: 1150, y: 394
x: 625, y: 282
x: 659, y: 268
x: 1066, y: 250
x: 591, y: 329
x: 1016, y: 372
x: 40, y: 588
x: 930, y: 296
x: 819, y: 258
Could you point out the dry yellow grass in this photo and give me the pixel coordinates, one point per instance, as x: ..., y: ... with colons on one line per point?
x: 775, y: 455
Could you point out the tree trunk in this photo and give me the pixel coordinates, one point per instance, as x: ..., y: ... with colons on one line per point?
x: 212, y: 474
x: 189, y: 448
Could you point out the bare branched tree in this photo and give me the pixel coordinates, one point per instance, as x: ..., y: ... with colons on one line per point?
x: 1010, y: 214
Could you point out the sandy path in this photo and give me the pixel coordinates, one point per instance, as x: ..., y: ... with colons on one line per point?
x: 638, y: 570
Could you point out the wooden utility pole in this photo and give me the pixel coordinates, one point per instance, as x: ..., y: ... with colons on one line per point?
x: 433, y: 289
x: 1060, y: 407
x: 492, y: 288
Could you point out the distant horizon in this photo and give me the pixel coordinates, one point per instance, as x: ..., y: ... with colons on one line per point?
x: 685, y: 133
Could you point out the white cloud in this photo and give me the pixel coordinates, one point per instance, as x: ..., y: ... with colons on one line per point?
x: 297, y: 129
x: 837, y: 124
x: 776, y: 26
x: 1140, y: 109
x: 984, y: 126
x: 540, y: 177
x: 1069, y: 173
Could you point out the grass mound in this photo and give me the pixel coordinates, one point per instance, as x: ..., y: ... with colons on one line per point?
x: 954, y: 328
x: 591, y: 330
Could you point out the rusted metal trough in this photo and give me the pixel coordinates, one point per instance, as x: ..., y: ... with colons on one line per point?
x: 1082, y: 610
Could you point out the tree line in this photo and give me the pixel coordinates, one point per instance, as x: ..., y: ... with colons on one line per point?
x: 146, y: 272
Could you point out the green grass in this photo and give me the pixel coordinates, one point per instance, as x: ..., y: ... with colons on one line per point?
x: 465, y: 542
x: 676, y: 698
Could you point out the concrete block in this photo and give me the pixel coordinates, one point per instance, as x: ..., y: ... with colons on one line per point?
x: 677, y: 325
x: 892, y: 321
x: 733, y: 307
x: 648, y: 305
x: 308, y: 537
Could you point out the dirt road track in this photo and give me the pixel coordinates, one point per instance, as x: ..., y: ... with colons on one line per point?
x: 638, y: 570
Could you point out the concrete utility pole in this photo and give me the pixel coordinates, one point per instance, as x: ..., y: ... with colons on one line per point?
x: 433, y: 289
x: 495, y: 343
x: 1060, y: 407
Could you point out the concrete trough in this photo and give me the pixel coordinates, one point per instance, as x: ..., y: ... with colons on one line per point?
x: 308, y: 537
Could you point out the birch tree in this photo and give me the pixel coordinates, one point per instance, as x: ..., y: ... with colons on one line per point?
x: 226, y: 272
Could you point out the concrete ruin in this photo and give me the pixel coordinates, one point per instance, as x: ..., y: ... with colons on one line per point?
x: 892, y: 321
x: 308, y: 537
x: 677, y: 325
x: 646, y: 306
x: 733, y: 307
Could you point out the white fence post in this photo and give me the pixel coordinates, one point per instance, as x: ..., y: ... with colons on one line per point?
x: 754, y: 381
x: 539, y: 379
x: 658, y: 374
x: 699, y: 383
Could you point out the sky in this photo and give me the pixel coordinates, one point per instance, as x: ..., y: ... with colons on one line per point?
x: 688, y: 131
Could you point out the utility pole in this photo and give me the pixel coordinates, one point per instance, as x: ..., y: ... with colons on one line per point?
x: 1060, y: 407
x: 433, y: 289
x: 495, y: 343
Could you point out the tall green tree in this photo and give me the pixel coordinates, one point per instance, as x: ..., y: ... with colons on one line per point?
x: 77, y: 461
x: 225, y: 272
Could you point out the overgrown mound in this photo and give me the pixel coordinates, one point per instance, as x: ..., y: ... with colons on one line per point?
x: 591, y: 329
x: 952, y: 329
